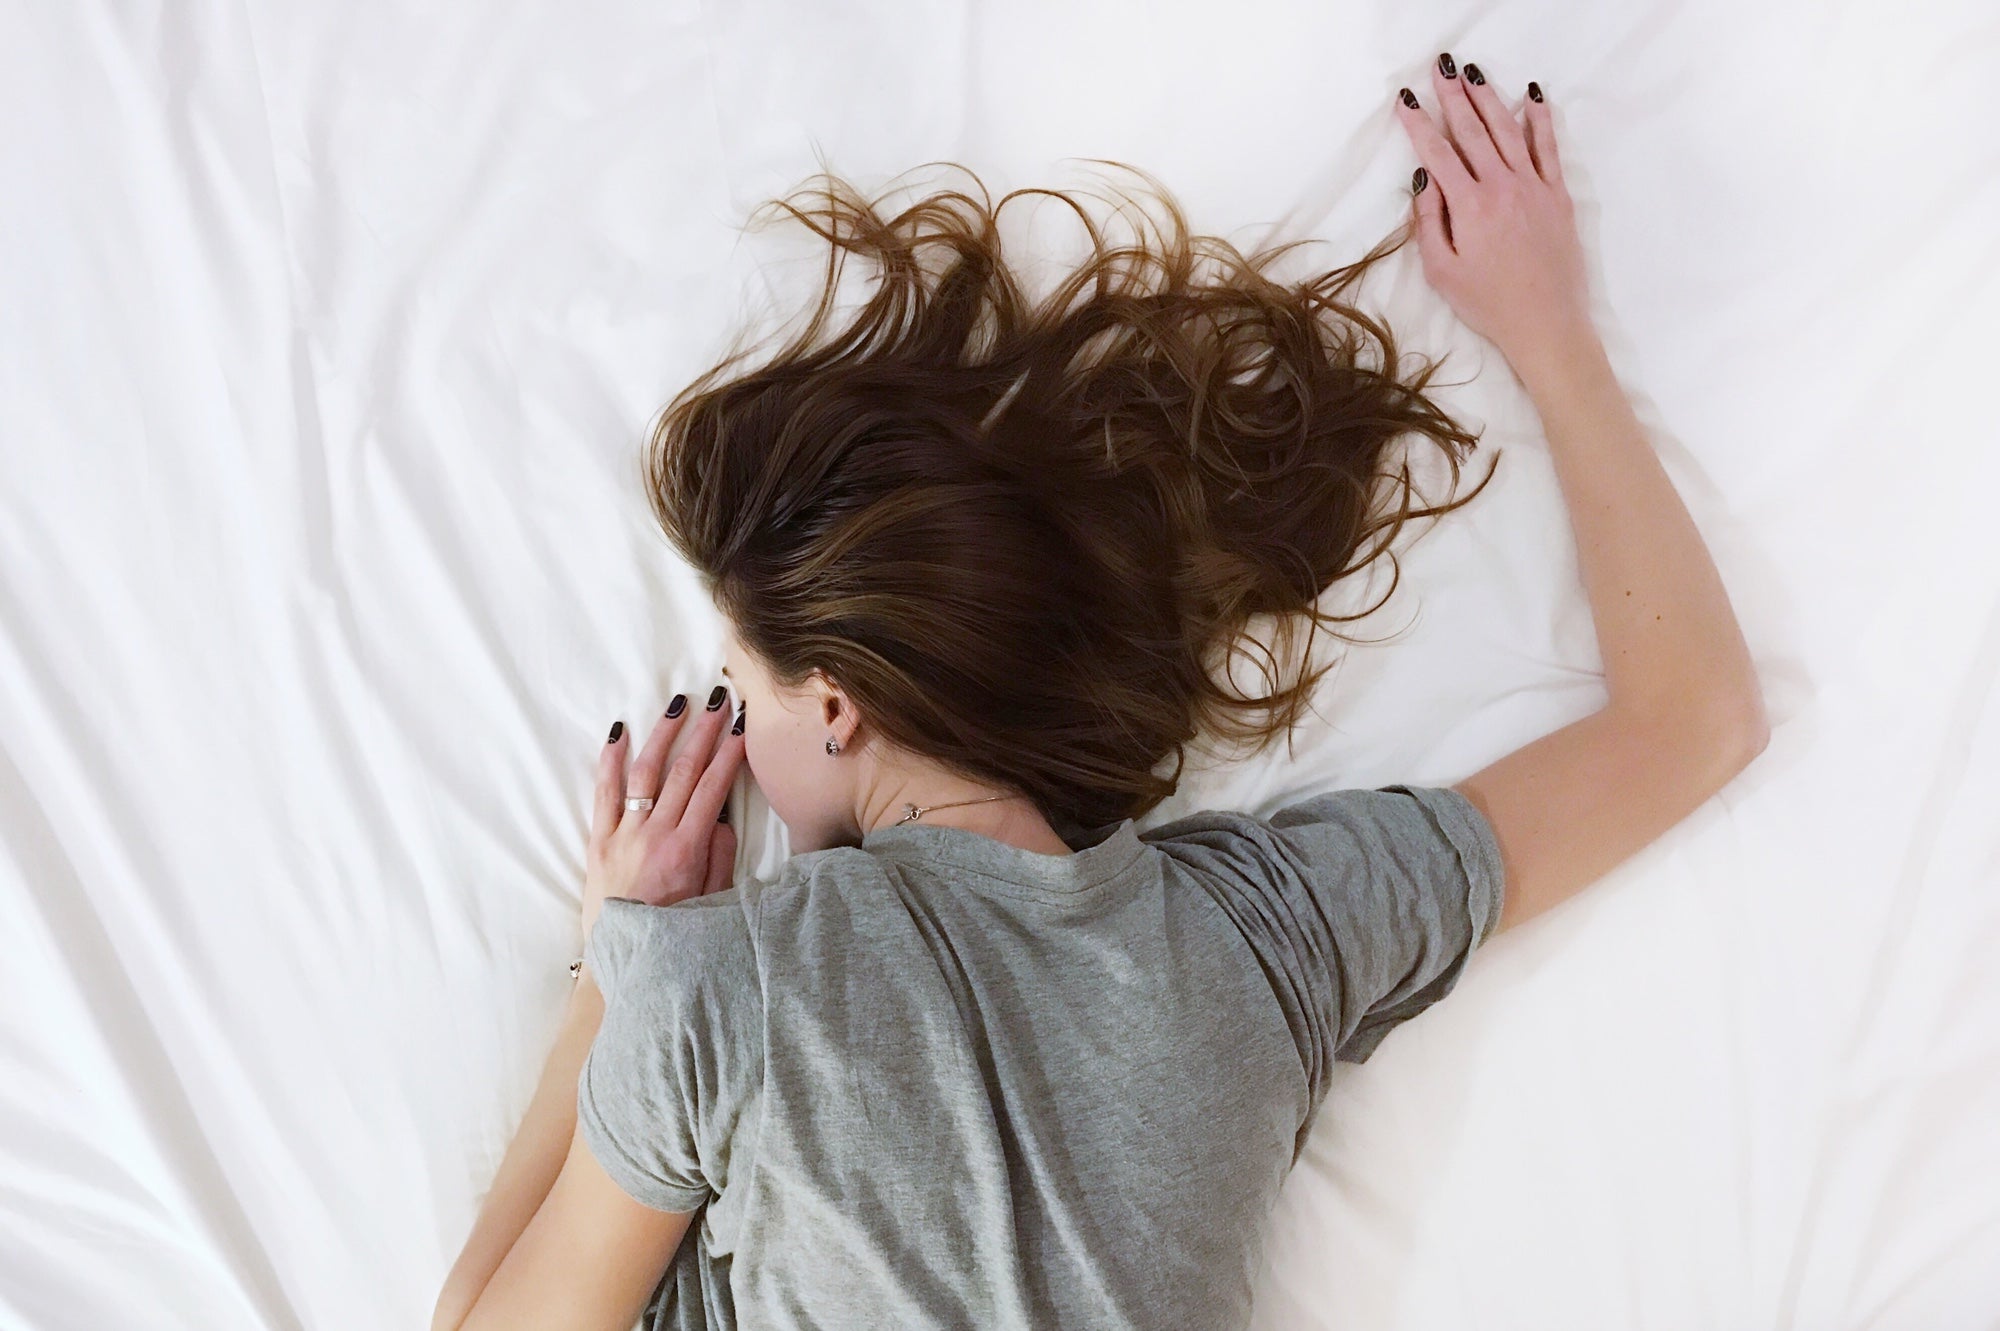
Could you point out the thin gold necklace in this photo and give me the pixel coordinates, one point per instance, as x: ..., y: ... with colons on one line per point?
x: 912, y: 812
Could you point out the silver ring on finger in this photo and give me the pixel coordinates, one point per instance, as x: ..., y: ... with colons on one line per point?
x: 638, y: 802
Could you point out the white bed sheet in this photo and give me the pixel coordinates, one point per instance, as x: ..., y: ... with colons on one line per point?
x: 330, y: 333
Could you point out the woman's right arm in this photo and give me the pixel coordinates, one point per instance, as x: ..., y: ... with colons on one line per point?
x: 1685, y: 714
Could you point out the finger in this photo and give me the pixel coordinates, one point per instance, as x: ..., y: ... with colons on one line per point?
x: 1501, y: 127
x: 721, y: 861
x: 645, y: 778
x: 1541, y: 135
x: 711, y: 792
x: 1433, y: 237
x: 610, y: 801
x: 1462, y: 123
x: 687, y: 768
x: 1446, y: 171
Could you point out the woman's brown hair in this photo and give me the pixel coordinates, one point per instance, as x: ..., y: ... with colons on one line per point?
x: 1021, y: 533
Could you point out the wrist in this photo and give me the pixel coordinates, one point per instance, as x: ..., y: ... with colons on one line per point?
x: 1557, y: 354
x: 586, y: 1001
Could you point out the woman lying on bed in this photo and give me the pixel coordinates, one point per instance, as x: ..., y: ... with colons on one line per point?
x: 983, y: 1055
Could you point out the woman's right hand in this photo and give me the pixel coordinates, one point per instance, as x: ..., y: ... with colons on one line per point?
x: 1495, y: 224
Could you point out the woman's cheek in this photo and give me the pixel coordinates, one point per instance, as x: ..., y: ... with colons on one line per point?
x: 763, y: 754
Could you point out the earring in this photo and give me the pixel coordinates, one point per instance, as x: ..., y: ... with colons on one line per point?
x: 832, y: 745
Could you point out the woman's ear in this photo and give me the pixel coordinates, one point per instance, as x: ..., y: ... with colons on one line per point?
x: 836, y: 711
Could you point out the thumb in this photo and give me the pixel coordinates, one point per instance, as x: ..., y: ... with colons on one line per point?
x: 721, y: 860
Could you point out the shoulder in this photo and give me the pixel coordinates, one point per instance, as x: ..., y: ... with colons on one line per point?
x: 844, y: 881
x: 1352, y: 804
x: 634, y: 943
x: 636, y: 948
x: 1360, y: 844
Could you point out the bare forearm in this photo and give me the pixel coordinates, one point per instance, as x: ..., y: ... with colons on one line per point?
x: 1667, y: 633
x: 531, y: 1164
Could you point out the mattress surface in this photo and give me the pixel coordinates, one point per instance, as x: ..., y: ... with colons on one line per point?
x: 332, y: 332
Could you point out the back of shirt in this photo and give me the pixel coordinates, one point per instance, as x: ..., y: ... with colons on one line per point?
x: 941, y: 1082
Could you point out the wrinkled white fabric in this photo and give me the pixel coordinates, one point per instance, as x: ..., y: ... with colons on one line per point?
x: 331, y: 332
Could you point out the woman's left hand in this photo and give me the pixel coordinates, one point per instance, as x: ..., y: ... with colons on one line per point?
x: 678, y: 848
x: 1495, y: 222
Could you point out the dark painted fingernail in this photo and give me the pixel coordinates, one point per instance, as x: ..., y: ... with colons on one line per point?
x: 677, y: 706
x: 715, y: 698
x: 1534, y: 91
x: 1445, y: 66
x: 723, y: 817
x: 617, y: 729
x: 1418, y: 180
x: 742, y: 710
x: 1409, y: 98
x: 1473, y: 76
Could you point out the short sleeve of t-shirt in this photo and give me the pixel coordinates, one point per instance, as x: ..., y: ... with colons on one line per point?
x: 678, y: 1057
x: 1363, y: 905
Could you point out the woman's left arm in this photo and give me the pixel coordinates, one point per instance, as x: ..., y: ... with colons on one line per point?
x: 533, y: 1160
x: 557, y: 1242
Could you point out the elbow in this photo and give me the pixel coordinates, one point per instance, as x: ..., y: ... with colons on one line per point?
x: 1753, y: 726
x: 1724, y: 731
x: 1742, y: 730
x: 1729, y: 726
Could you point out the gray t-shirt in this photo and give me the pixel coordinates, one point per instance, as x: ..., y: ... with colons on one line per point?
x: 936, y: 1081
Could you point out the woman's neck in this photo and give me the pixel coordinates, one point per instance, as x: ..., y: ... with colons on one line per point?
x: 1012, y: 820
